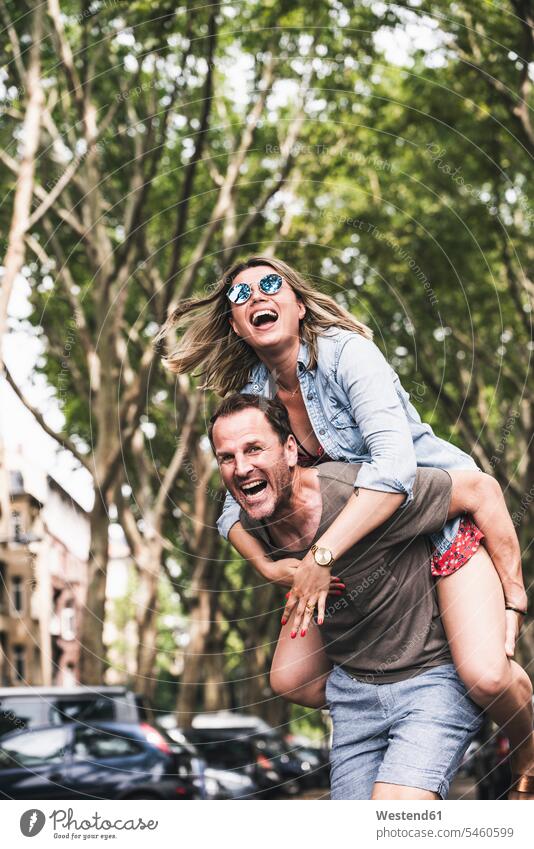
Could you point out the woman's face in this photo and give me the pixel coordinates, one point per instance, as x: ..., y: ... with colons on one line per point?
x: 266, y: 321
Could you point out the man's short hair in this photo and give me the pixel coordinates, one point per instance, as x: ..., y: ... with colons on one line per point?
x: 273, y: 410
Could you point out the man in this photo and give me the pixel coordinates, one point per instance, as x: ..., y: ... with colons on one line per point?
x: 402, y: 718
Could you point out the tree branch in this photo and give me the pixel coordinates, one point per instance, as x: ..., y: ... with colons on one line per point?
x: 61, y: 438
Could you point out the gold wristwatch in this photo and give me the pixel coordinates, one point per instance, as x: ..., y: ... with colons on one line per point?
x: 322, y: 556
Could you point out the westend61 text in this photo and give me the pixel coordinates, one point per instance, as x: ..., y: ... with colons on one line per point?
x: 408, y: 815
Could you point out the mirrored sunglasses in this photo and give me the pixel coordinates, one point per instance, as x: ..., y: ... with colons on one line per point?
x: 239, y: 293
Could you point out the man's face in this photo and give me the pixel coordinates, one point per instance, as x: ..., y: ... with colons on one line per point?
x: 255, y: 467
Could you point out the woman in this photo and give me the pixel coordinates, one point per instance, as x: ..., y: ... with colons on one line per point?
x: 267, y: 331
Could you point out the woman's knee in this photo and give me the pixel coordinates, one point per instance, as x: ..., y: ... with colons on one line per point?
x: 293, y: 689
x: 281, y: 682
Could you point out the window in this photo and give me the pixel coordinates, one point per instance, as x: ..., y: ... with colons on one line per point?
x: 68, y: 629
x: 19, y: 662
x: 16, y: 526
x: 81, y: 709
x: 2, y: 587
x: 17, y: 714
x: 34, y: 748
x: 232, y: 754
x: 93, y: 743
x: 17, y: 594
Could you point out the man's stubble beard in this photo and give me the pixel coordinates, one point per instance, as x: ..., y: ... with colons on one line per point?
x: 284, y: 499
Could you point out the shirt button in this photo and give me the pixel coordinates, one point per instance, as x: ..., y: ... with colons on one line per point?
x: 311, y: 397
x: 321, y: 431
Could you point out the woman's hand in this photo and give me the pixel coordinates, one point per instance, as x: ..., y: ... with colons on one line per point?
x: 283, y: 572
x: 311, y: 585
x: 514, y: 621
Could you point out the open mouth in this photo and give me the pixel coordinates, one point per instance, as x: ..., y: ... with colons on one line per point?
x: 264, y: 318
x: 253, y: 488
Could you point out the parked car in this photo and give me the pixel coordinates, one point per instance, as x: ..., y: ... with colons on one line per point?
x: 231, y: 719
x: 97, y: 760
x: 246, y: 745
x: 237, y: 752
x: 228, y: 784
x: 296, y: 770
x: 29, y: 707
x: 315, y: 764
x: 490, y: 767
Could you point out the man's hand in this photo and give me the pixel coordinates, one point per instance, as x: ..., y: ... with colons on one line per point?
x: 513, y: 623
x: 311, y: 586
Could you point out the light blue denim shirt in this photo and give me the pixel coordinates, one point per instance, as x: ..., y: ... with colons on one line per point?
x: 361, y: 414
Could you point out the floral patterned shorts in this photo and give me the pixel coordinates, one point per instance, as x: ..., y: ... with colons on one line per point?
x: 465, y: 544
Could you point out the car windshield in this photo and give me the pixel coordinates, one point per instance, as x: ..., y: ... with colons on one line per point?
x: 17, y: 714
x: 34, y: 748
x: 81, y: 709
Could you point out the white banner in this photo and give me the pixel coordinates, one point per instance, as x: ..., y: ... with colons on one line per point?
x: 256, y: 824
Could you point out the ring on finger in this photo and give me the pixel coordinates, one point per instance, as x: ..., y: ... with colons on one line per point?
x: 310, y: 607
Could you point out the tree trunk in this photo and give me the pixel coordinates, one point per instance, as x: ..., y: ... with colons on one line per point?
x: 16, y: 248
x: 215, y: 694
x: 190, y: 680
x: 92, y: 655
x: 204, y: 587
x: 149, y: 563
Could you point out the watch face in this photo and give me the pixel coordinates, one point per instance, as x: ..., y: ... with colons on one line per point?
x: 323, y: 556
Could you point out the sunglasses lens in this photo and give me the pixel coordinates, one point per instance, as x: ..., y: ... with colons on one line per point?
x: 239, y: 293
x: 271, y: 284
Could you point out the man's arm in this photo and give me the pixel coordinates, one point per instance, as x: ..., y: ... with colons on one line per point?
x: 481, y: 495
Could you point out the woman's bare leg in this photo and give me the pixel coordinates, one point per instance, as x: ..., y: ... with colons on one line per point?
x: 300, y: 667
x: 472, y: 611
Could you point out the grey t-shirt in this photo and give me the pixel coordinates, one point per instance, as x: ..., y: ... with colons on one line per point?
x: 386, y: 626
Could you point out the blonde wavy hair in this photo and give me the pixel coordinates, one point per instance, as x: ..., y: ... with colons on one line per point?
x: 225, y: 360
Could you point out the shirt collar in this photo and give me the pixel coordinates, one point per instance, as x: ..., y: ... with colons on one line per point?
x: 303, y: 357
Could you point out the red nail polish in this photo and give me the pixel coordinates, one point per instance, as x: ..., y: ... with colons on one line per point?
x: 288, y: 594
x: 303, y: 632
x: 320, y: 621
x: 293, y: 634
x: 284, y: 621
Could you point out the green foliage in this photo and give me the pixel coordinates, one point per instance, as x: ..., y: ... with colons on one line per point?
x: 408, y: 198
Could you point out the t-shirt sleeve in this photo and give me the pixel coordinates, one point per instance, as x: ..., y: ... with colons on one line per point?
x: 426, y: 513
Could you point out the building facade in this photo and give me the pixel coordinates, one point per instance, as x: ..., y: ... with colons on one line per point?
x: 43, y: 586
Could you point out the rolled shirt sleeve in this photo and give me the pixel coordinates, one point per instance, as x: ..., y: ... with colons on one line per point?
x: 229, y: 515
x: 369, y: 383
x: 428, y: 511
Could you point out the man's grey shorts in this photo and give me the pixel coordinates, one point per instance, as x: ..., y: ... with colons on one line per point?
x: 413, y: 733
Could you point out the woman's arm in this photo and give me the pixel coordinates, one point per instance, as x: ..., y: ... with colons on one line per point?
x: 278, y: 571
x: 365, y: 511
x: 384, y: 483
x: 367, y: 381
x: 252, y: 550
